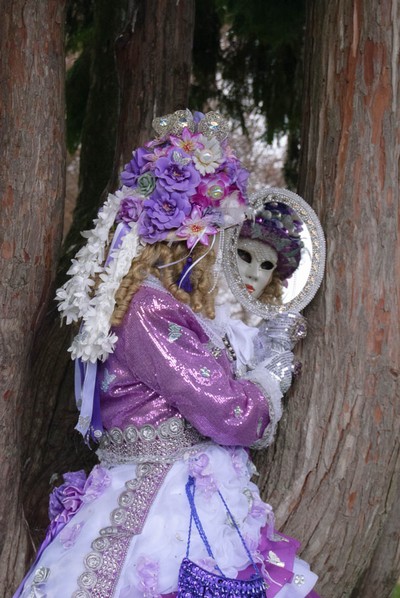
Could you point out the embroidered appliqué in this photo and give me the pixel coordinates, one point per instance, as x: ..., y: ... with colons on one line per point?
x: 108, y: 378
x: 274, y: 559
x: 175, y: 332
x: 237, y: 411
x: 205, y: 372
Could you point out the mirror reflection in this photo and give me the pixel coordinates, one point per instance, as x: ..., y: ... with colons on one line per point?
x: 274, y: 254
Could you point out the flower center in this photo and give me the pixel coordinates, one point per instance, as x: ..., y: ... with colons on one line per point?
x: 188, y: 146
x: 196, y: 228
x: 215, y: 192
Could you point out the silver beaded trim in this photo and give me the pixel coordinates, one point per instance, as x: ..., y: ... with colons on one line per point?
x: 104, y: 563
x: 310, y: 219
x: 149, y: 444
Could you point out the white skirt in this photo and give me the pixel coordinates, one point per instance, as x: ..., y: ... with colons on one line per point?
x: 146, y: 564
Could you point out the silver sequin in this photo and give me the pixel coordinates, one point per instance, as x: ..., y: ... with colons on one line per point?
x: 175, y: 332
x: 108, y: 378
x: 299, y: 580
x: 237, y: 411
x: 205, y: 372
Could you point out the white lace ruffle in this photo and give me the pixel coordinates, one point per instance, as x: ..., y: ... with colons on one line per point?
x: 270, y: 386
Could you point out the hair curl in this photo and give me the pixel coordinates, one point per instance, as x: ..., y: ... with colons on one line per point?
x: 272, y: 293
x: 159, y: 254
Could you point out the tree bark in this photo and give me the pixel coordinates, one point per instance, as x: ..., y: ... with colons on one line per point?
x: 157, y: 44
x: 48, y: 444
x: 32, y: 181
x: 334, y: 473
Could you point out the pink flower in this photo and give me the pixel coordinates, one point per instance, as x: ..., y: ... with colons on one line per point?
x: 69, y: 535
x: 198, y: 468
x: 196, y: 228
x: 212, y: 190
x: 188, y: 142
x: 148, y: 572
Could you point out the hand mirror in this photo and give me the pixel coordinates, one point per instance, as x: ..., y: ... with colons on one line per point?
x: 275, y: 260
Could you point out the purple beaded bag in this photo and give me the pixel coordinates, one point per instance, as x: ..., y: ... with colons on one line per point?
x: 194, y: 581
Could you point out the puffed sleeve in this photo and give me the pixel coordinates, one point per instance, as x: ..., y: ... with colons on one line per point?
x: 166, y: 349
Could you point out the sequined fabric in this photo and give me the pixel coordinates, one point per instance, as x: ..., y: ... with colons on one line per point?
x: 194, y: 581
x: 164, y: 368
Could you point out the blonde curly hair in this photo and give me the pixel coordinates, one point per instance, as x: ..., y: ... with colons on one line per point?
x: 272, y: 293
x: 160, y: 254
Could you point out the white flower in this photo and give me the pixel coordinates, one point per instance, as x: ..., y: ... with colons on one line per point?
x: 232, y: 210
x: 207, y: 159
x: 95, y: 341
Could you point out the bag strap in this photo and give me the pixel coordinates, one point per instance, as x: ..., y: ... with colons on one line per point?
x: 190, y: 491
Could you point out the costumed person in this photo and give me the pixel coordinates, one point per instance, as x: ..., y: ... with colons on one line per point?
x: 170, y: 510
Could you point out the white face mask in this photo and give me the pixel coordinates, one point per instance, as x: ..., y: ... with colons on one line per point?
x: 256, y: 262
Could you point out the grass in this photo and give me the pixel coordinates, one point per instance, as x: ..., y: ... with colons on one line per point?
x: 396, y: 592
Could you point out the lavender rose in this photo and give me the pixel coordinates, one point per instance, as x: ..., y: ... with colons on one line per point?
x: 67, y: 496
x: 130, y: 209
x: 134, y: 168
x: 162, y: 211
x: 176, y: 172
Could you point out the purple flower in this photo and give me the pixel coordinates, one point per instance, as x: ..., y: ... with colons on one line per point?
x: 68, y: 496
x: 67, y: 499
x: 69, y: 535
x: 176, y: 172
x: 97, y: 482
x: 162, y: 211
x: 148, y: 572
x: 198, y: 468
x: 212, y: 190
x: 134, y: 168
x: 237, y: 175
x: 130, y: 209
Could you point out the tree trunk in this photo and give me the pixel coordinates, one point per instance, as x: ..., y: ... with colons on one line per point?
x: 32, y: 179
x: 334, y: 473
x: 50, y: 445
x: 157, y: 44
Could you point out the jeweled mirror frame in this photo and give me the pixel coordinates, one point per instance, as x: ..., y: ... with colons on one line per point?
x: 311, y: 221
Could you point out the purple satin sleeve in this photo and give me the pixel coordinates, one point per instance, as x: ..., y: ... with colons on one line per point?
x: 166, y: 349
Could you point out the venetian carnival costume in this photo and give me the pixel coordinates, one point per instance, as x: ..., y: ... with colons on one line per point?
x: 169, y: 396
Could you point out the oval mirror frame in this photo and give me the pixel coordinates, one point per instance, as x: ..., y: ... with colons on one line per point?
x: 318, y: 251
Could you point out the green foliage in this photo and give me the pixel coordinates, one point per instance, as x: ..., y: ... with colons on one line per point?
x: 396, y: 592
x: 79, y: 31
x: 248, y: 53
x: 78, y: 24
x: 76, y: 96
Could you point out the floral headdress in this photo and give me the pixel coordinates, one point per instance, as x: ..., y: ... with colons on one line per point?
x: 278, y: 226
x: 185, y: 185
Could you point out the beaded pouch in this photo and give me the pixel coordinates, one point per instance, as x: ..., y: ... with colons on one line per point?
x: 194, y: 581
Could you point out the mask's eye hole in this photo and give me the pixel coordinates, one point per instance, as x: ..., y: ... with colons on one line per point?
x: 267, y: 265
x: 244, y: 255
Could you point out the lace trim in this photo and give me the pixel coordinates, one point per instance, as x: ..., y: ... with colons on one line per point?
x: 104, y: 564
x: 273, y: 395
x: 149, y: 444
